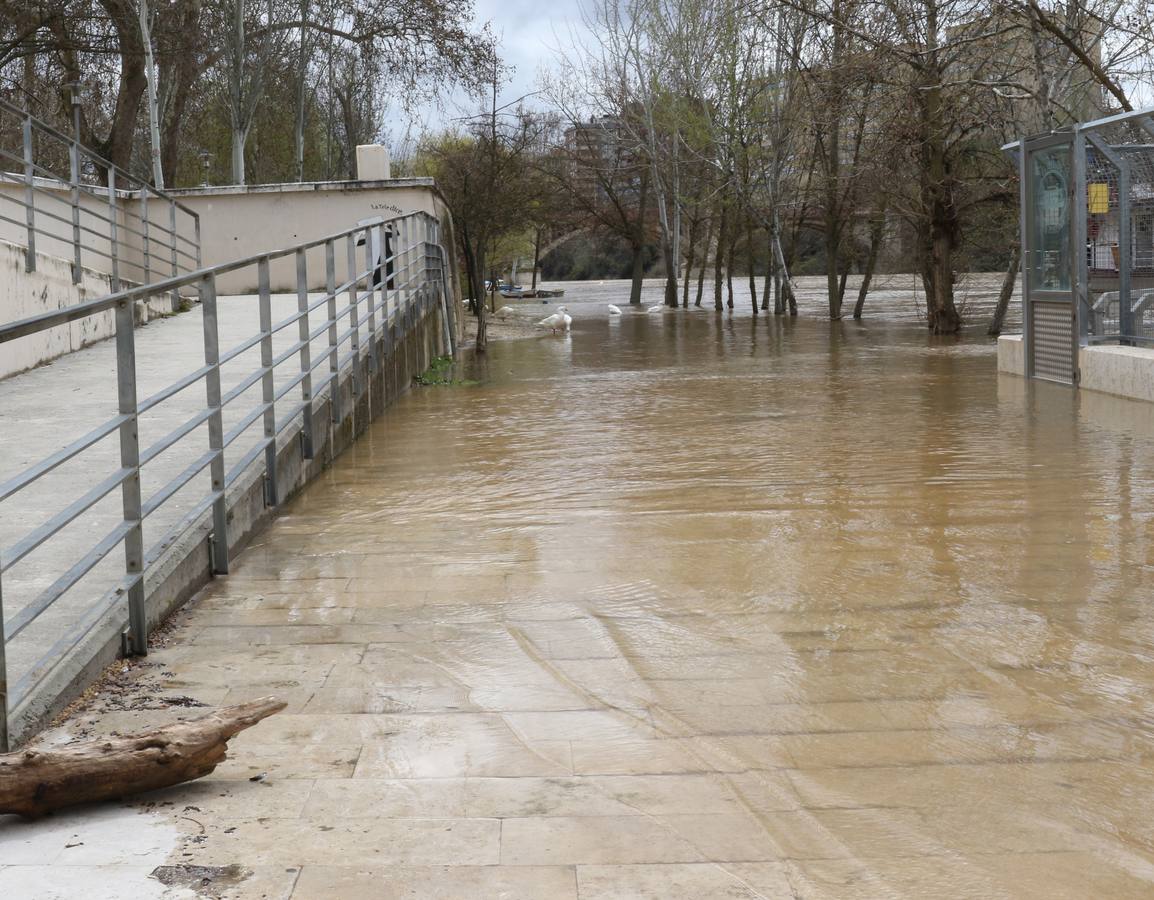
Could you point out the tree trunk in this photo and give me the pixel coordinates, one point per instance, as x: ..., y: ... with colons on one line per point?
x: 153, y: 109
x: 770, y: 275
x: 671, y: 267
x: 536, y: 257
x: 133, y: 83
x: 704, y: 263
x: 638, y: 274
x: 937, y: 191
x: 481, y: 344
x: 302, y: 82
x: 942, y: 316
x: 689, y: 259
x: 730, y: 252
x: 834, y: 110
x: 238, y: 141
x: 1007, y: 292
x: 832, y: 258
x: 876, y: 231
x: 34, y: 782
x: 183, y: 77
x: 749, y: 261
x: 719, y: 261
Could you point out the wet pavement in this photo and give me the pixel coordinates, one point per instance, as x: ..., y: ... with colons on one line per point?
x: 679, y: 606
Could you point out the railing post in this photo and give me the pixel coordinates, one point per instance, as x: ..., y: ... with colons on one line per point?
x: 1125, y: 252
x: 172, y: 238
x: 136, y: 639
x: 196, y: 236
x: 29, y: 196
x: 448, y: 342
x: 74, y: 160
x: 354, y: 323
x: 334, y: 349
x: 215, y: 424
x: 268, y: 387
x: 113, y: 232
x: 422, y: 264
x: 307, y: 436
x: 403, y: 258
x: 371, y: 299
x: 144, y: 239
x: 383, y: 237
x: 5, y: 745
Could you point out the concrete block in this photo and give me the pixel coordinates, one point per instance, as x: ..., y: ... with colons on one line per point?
x: 373, y: 162
x: 1122, y: 371
x: 1011, y: 354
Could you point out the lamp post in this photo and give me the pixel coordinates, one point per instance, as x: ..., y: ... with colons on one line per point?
x: 76, y: 95
x: 205, y: 161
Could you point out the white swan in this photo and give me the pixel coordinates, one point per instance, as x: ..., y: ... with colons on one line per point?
x: 654, y: 309
x: 614, y: 310
x: 505, y: 311
x: 560, y: 319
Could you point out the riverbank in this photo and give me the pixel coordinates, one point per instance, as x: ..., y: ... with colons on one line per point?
x: 513, y: 327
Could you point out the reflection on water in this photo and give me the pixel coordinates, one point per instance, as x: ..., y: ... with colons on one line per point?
x: 896, y: 607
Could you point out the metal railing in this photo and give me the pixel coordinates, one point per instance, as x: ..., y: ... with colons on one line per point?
x: 61, y: 198
x: 380, y: 279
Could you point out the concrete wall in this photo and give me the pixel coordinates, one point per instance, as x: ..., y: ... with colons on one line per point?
x: 236, y: 222
x: 185, y: 567
x: 24, y: 294
x: 1107, y: 369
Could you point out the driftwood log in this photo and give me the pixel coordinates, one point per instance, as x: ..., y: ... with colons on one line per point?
x: 34, y: 782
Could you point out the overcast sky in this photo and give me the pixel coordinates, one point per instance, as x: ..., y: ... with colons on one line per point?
x: 528, y: 32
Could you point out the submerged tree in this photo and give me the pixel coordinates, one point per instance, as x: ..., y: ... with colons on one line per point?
x: 487, y: 176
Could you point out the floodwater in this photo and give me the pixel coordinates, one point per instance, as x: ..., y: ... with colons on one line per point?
x: 895, y: 606
x: 681, y: 605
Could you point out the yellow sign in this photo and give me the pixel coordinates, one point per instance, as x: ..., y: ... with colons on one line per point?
x: 1099, y: 199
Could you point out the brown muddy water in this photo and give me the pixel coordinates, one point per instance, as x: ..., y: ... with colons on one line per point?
x: 889, y: 611
x: 687, y: 605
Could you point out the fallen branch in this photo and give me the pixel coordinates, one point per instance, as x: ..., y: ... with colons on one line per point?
x: 34, y: 782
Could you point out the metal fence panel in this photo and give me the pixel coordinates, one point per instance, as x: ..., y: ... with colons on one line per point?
x: 405, y: 289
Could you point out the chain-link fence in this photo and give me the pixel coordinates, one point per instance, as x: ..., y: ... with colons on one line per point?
x: 1119, y: 234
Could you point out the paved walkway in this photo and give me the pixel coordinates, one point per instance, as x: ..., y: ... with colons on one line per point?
x: 658, y: 611
x: 45, y: 409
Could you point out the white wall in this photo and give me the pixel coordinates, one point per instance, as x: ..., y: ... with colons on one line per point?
x: 236, y: 222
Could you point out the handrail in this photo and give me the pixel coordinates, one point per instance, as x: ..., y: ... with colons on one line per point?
x: 93, y: 155
x: 32, y: 324
x: 389, y: 279
x: 95, y: 219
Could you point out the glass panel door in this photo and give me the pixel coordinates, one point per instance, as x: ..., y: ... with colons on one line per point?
x: 1049, y: 234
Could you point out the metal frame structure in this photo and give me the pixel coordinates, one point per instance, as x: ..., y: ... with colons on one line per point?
x: 63, y: 192
x: 1060, y: 312
x: 363, y: 317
